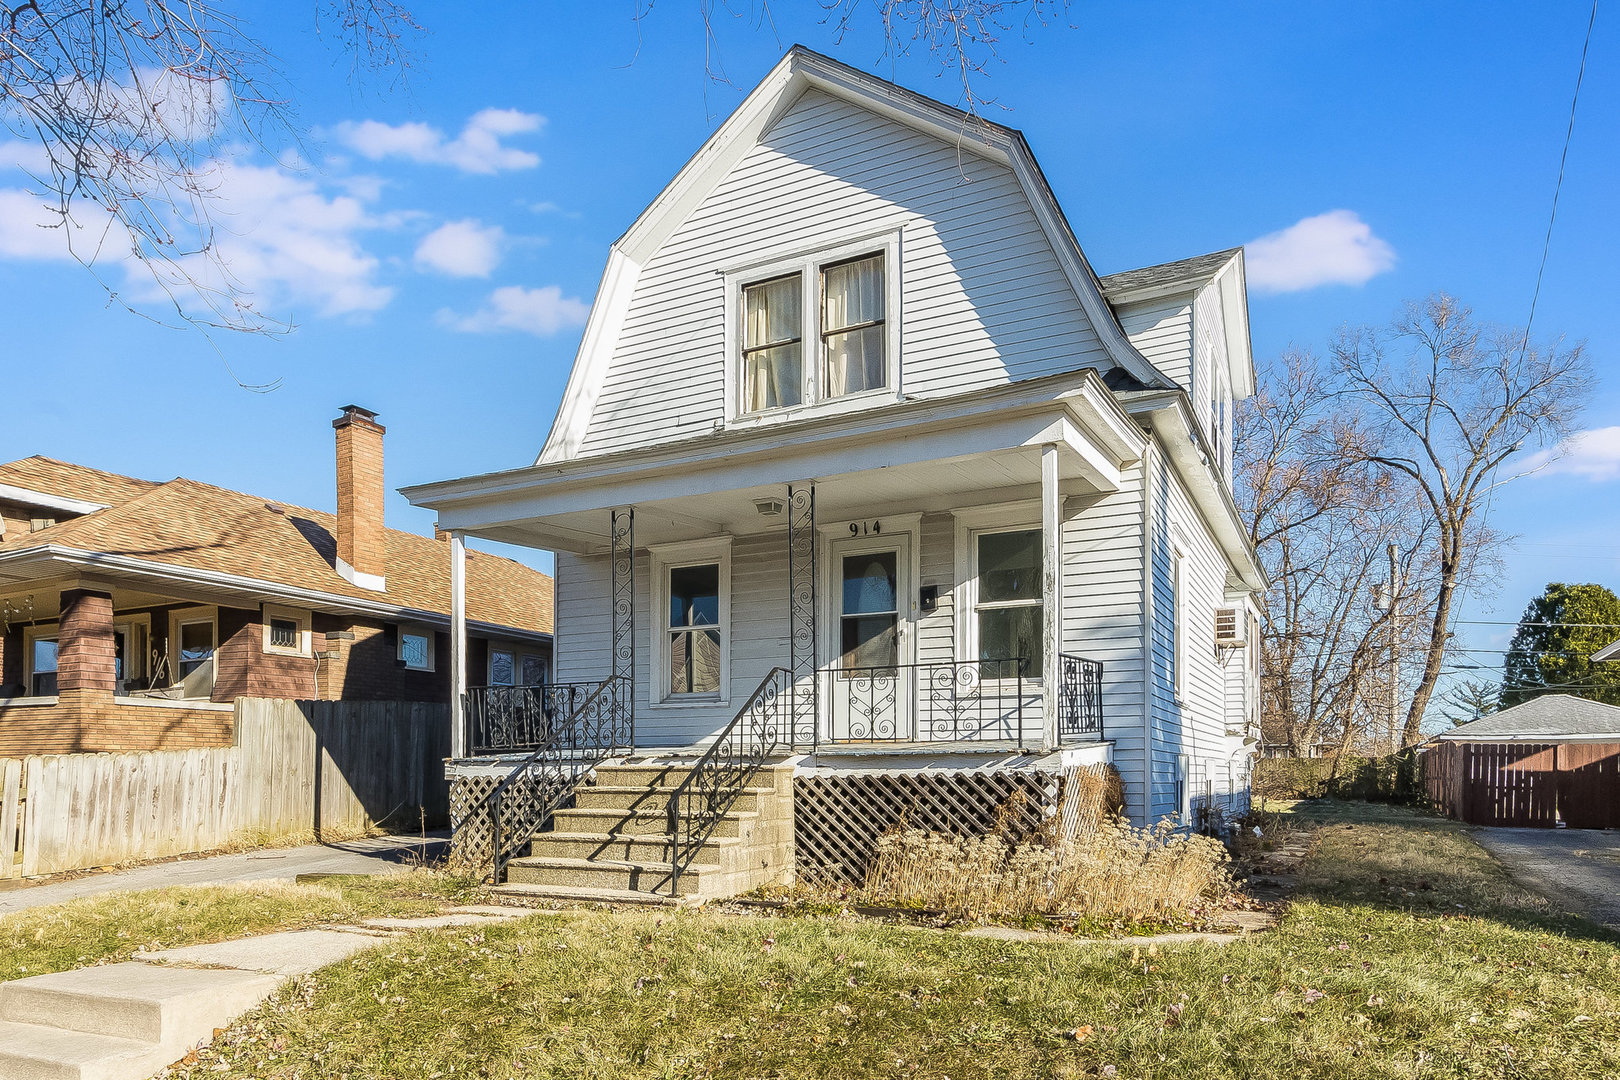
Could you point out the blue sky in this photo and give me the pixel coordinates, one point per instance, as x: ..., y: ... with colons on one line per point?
x: 437, y: 245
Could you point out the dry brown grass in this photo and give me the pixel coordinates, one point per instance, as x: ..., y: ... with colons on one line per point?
x: 1113, y: 871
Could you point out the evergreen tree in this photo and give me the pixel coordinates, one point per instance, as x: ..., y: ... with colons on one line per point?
x: 1552, y: 648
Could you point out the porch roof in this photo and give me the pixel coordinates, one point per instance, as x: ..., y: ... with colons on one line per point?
x: 913, y: 456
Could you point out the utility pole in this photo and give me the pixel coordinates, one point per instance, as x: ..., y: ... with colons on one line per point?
x: 1394, y: 655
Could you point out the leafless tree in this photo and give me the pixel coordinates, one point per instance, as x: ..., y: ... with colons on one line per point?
x: 1321, y: 531
x: 1438, y: 403
x: 132, y: 100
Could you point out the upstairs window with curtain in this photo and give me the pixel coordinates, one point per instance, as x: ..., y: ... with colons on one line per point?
x: 852, y: 330
x: 773, y: 344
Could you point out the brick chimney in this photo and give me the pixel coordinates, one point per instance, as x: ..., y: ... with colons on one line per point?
x: 361, y: 543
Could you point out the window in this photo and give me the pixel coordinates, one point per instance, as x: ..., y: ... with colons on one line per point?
x: 416, y: 648
x: 869, y: 616
x: 694, y: 629
x: 196, y: 645
x: 287, y: 631
x: 815, y: 329
x: 691, y: 626
x: 852, y: 326
x: 1008, y: 608
x: 773, y: 346
x: 1178, y: 629
x: 511, y: 667
x: 42, y: 667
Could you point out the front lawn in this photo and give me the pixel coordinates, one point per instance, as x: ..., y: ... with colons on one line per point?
x: 1407, y: 953
x: 112, y: 926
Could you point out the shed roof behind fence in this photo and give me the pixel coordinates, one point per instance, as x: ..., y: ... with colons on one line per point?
x: 1548, y: 718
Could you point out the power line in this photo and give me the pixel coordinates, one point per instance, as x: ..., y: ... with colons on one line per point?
x: 1516, y: 622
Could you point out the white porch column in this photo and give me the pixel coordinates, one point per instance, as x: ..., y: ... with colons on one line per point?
x: 458, y: 645
x: 1052, y: 594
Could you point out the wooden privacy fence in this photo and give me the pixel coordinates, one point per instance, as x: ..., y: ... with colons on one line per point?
x: 1526, y: 784
x: 298, y: 767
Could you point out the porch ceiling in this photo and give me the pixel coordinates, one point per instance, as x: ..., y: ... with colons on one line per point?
x: 924, y: 461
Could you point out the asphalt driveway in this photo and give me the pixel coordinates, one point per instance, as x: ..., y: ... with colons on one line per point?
x: 1579, y: 868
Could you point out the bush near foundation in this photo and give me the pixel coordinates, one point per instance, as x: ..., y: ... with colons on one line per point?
x: 1392, y: 778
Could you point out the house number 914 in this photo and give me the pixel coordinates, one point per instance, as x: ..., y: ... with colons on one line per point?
x: 865, y: 528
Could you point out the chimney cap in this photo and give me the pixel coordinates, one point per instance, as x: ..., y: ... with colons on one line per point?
x: 351, y: 413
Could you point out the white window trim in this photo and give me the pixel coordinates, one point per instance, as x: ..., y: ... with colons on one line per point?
x: 808, y: 266
x: 417, y: 631
x: 302, y: 617
x: 518, y: 655
x: 666, y: 557
x: 179, y: 617
x: 1178, y: 625
x: 136, y: 668
x: 48, y: 631
x: 972, y: 523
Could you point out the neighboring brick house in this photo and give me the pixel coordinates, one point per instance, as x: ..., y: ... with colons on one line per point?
x: 132, y: 613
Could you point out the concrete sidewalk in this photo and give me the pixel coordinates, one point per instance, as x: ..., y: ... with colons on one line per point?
x: 373, y: 855
x: 127, y: 1021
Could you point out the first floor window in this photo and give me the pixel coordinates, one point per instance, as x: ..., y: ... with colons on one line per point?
x: 416, y: 649
x: 283, y: 633
x: 773, y: 344
x: 1178, y: 629
x: 196, y: 645
x: 852, y: 326
x: 1009, y: 605
x: 42, y: 667
x: 693, y: 629
x: 509, y: 667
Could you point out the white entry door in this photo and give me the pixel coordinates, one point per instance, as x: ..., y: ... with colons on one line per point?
x: 869, y: 689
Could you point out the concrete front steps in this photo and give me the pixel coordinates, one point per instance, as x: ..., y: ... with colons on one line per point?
x: 119, y: 1021
x: 614, y: 843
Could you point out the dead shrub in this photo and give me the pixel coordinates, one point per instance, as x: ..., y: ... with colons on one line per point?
x: 1114, y: 871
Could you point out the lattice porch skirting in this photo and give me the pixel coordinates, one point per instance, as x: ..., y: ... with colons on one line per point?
x: 838, y: 817
x: 471, y: 836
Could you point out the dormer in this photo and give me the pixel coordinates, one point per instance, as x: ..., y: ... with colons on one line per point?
x: 1190, y: 319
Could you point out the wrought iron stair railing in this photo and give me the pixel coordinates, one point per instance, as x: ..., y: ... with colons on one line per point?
x: 597, y: 726
x: 767, y: 725
x: 1080, y: 712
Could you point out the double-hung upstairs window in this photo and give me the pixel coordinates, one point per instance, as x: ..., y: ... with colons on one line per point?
x: 816, y: 330
x: 773, y: 344
x: 852, y: 326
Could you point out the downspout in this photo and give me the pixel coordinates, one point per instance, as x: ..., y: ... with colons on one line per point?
x: 1148, y: 624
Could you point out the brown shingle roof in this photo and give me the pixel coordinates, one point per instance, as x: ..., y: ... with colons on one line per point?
x: 51, y: 477
x: 185, y: 523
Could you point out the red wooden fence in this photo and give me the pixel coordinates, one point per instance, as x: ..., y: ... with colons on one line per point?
x: 1526, y: 784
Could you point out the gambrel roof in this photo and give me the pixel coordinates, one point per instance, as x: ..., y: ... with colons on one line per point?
x: 799, y: 72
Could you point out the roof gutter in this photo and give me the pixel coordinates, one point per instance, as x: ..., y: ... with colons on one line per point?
x: 256, y: 588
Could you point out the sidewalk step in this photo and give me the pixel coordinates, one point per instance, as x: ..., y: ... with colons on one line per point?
x: 138, y: 1001
x: 38, y: 1052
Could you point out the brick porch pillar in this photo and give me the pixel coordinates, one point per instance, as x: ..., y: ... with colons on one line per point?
x: 86, y: 652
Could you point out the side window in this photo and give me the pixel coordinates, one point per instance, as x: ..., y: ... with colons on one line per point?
x: 1178, y: 609
x: 852, y: 331
x: 1009, y: 601
x: 773, y: 344
x: 416, y: 648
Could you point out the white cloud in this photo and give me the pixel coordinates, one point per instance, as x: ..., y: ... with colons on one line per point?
x: 1335, y: 248
x: 1593, y: 454
x: 30, y: 229
x: 461, y: 249
x: 478, y: 149
x: 541, y: 312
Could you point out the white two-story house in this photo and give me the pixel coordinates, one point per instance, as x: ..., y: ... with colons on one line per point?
x: 862, y: 470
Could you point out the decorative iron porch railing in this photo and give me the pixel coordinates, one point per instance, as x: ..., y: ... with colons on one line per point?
x: 519, y: 719
x: 1080, y: 713
x: 585, y: 729
x: 942, y: 701
x: 764, y: 727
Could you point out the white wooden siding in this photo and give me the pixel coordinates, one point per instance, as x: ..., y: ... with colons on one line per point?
x: 984, y: 300
x: 1161, y: 330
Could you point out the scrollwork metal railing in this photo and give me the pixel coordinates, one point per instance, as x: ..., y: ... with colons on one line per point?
x: 763, y: 727
x: 595, y: 726
x: 1080, y: 713
x: 519, y: 719
x: 941, y: 701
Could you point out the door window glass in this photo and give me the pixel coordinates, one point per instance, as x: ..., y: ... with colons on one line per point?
x: 869, y: 622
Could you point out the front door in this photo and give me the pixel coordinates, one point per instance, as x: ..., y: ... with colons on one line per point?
x: 869, y: 689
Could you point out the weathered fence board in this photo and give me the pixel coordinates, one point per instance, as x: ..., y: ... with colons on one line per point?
x: 297, y: 767
x: 1526, y: 784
